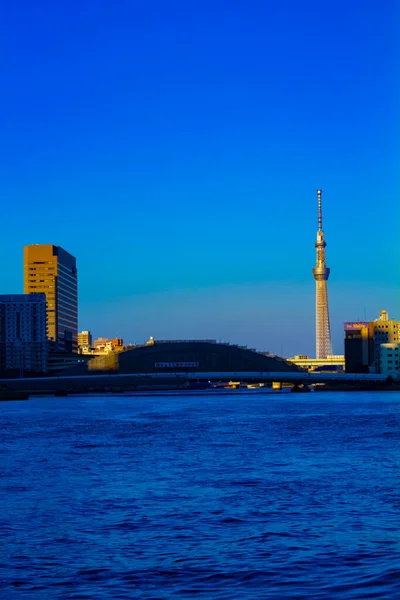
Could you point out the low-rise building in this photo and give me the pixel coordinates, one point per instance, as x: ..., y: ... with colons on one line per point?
x: 363, y: 342
x: 385, y: 331
x: 85, y: 338
x: 84, y: 349
x: 100, y: 343
x: 61, y: 361
x: 106, y: 346
x: 185, y: 356
x: 103, y: 347
x: 389, y: 359
x: 334, y: 363
x: 117, y: 345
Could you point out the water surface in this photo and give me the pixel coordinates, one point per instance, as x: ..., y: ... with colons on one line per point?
x: 230, y: 497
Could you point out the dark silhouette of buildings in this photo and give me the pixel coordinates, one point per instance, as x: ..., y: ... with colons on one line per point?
x: 187, y: 357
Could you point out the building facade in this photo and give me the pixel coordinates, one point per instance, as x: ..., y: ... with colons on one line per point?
x: 51, y: 270
x: 85, y: 339
x: 385, y: 331
x: 364, y: 340
x: 330, y: 364
x: 357, y: 342
x: 101, y: 346
x: 390, y: 359
x: 100, y: 343
x: 23, y: 336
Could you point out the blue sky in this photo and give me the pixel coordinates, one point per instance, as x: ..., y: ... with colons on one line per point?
x: 175, y: 149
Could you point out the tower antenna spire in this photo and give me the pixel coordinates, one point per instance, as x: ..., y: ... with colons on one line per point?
x: 319, y: 192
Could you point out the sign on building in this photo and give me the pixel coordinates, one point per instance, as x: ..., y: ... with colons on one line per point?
x: 354, y: 326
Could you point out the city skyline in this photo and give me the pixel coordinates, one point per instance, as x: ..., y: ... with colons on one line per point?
x: 254, y: 329
x: 184, y: 414
x: 239, y: 331
x: 181, y: 173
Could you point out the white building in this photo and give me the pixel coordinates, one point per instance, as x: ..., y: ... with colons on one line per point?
x: 386, y: 331
x: 23, y: 333
x: 389, y: 359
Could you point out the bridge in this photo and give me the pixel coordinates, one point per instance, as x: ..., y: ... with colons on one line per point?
x: 139, y: 381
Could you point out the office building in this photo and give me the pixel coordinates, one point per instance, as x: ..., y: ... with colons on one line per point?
x: 321, y: 274
x: 51, y: 270
x: 363, y: 343
x: 85, y: 339
x: 357, y: 346
x: 23, y: 338
x: 385, y: 331
x: 389, y: 359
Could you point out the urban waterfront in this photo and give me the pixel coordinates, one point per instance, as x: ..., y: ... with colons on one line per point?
x: 250, y: 496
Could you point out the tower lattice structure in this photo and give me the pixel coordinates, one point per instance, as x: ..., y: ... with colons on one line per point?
x: 321, y: 275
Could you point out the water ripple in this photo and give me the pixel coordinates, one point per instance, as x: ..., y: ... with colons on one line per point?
x: 233, y: 498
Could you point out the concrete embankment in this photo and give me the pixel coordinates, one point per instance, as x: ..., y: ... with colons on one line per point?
x: 6, y: 396
x: 21, y: 389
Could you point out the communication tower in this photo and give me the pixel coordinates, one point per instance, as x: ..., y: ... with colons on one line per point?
x: 321, y: 275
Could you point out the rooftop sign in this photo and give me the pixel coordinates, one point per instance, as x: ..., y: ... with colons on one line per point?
x: 355, y: 325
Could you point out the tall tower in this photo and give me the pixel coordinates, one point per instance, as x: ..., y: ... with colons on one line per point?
x: 321, y: 274
x: 51, y: 270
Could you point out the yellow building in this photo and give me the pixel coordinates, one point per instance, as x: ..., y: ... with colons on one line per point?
x: 51, y: 270
x: 85, y: 338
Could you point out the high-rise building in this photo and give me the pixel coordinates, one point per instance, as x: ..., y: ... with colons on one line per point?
x: 321, y: 274
x: 85, y: 339
x: 23, y: 337
x: 51, y: 270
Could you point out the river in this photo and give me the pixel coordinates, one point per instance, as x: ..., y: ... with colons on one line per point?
x: 276, y: 496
